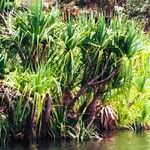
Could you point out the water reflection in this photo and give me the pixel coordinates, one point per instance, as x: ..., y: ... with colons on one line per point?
x: 126, y: 140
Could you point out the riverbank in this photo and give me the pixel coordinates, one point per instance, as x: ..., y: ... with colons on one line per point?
x: 71, y: 76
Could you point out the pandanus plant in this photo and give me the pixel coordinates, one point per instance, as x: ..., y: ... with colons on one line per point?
x: 102, y: 65
x: 34, y: 32
x: 86, y: 58
x: 95, y: 57
x: 103, y: 53
x: 69, y: 64
x: 30, y: 112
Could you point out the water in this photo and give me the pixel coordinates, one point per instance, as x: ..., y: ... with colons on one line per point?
x: 126, y: 140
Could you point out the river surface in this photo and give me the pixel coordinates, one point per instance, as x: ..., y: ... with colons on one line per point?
x: 126, y: 140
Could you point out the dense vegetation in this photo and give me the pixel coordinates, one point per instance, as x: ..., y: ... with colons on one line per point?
x: 71, y: 77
